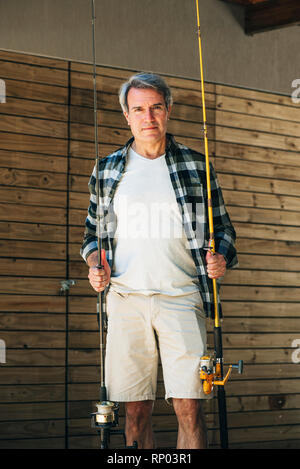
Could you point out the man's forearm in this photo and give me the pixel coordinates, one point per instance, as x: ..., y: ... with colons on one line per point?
x: 92, y: 260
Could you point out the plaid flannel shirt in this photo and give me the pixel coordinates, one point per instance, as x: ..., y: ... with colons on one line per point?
x: 188, y: 177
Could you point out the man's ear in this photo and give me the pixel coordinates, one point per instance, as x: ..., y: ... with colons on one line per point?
x: 126, y: 117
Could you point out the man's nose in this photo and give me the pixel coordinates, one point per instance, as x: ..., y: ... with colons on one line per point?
x: 149, y: 114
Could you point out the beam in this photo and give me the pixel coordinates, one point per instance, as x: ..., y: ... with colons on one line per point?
x: 244, y: 2
x: 268, y: 15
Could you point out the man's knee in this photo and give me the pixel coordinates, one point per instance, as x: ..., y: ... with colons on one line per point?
x: 188, y: 410
x: 139, y: 410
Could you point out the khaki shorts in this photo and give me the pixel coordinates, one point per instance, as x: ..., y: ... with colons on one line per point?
x: 136, y: 322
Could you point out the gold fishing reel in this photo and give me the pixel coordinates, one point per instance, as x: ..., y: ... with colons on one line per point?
x: 106, y: 415
x: 211, y: 373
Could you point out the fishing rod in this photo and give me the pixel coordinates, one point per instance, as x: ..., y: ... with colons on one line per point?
x: 106, y: 418
x: 211, y: 368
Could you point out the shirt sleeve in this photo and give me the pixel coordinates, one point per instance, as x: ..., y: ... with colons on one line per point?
x: 90, y: 243
x: 224, y: 231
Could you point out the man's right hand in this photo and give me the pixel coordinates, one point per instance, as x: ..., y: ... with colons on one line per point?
x: 99, y: 278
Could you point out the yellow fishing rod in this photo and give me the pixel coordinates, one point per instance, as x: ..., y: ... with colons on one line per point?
x: 212, y: 247
x: 211, y: 369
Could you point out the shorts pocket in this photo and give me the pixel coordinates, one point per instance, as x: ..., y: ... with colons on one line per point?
x: 121, y: 295
x: 114, y: 300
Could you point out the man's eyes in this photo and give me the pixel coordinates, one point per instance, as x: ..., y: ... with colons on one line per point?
x: 154, y: 108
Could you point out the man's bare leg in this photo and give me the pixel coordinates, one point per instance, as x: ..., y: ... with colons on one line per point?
x: 192, y: 432
x: 138, y: 425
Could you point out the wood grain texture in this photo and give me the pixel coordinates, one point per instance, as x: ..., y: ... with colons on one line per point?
x: 51, y: 377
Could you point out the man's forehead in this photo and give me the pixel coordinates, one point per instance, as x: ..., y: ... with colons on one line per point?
x: 139, y: 96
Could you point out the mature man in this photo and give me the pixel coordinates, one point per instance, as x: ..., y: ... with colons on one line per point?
x: 156, y: 277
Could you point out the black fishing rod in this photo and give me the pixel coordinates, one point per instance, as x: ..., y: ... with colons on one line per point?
x: 211, y: 368
x: 106, y: 418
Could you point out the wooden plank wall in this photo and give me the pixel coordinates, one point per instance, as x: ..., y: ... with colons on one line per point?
x: 257, y: 159
x: 33, y: 233
x: 50, y: 381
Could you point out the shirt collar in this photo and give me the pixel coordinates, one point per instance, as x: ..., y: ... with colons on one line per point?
x: 170, y: 142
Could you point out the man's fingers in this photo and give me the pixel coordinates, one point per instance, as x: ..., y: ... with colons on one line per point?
x: 99, y: 285
x: 98, y: 278
x: 96, y: 273
x: 215, y: 259
x: 216, y: 265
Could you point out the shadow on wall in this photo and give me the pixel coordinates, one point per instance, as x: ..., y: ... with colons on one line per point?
x: 238, y: 13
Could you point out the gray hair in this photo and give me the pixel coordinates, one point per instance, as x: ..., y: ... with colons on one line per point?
x: 144, y: 81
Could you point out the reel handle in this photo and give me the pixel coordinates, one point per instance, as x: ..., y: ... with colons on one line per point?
x: 239, y: 366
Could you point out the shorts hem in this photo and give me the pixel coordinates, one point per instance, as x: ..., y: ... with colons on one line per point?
x: 172, y: 395
x: 126, y: 398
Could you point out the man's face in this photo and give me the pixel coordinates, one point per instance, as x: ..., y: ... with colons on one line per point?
x: 147, y: 115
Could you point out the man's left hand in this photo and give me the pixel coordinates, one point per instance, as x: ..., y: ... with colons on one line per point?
x: 216, y: 265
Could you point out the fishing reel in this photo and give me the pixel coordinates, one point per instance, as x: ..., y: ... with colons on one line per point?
x: 106, y: 417
x: 211, y: 373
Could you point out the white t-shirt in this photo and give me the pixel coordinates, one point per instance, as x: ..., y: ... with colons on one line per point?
x: 150, y: 245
